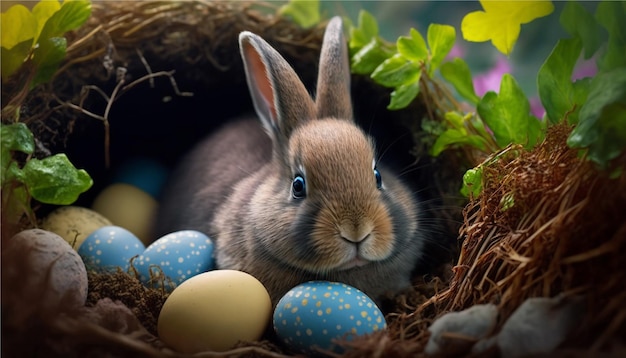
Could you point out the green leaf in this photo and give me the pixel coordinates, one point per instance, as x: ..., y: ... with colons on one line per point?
x: 14, y: 58
x: 305, y: 13
x: 440, y: 41
x: 457, y: 73
x: 556, y: 91
x: 17, y: 25
x: 47, y: 57
x: 508, y: 114
x: 414, y: 47
x: 43, y: 11
x: 472, y: 182
x: 70, y: 16
x: 612, y: 16
x: 369, y: 57
x: 366, y: 30
x: 396, y: 71
x: 16, y: 137
x: 602, y: 124
x: 580, y: 23
x: 54, y: 180
x: 403, y: 95
x: 12, y: 172
x: 452, y: 137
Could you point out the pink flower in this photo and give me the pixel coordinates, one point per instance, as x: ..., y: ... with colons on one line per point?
x: 490, y: 80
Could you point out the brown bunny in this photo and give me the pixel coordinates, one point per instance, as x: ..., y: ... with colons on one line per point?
x: 298, y: 195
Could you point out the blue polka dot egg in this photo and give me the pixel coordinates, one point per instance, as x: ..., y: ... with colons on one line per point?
x: 311, y: 315
x: 174, y: 258
x: 109, y: 248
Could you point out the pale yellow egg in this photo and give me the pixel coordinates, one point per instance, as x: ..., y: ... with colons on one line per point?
x: 74, y: 223
x: 129, y: 207
x: 213, y: 311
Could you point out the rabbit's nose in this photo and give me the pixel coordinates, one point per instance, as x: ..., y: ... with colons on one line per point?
x: 355, y: 234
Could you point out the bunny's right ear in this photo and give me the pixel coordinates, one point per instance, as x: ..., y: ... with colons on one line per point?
x: 279, y: 96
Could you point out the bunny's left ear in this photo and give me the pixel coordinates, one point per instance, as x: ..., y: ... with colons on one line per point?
x: 333, y: 81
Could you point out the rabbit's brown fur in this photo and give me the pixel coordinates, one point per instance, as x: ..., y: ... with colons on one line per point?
x: 238, y: 185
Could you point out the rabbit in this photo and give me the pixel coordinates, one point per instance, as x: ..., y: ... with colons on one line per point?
x: 297, y: 194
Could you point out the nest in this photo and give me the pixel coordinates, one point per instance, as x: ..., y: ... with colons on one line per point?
x: 151, y: 78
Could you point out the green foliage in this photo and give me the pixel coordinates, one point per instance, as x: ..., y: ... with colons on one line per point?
x: 305, y: 13
x: 37, y: 37
x: 401, y: 65
x: 457, y: 73
x: 558, y: 94
x: 507, y: 114
x: 52, y: 180
x: 596, y: 106
x: 602, y: 126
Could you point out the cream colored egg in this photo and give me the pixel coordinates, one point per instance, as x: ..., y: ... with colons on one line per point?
x: 74, y: 223
x: 128, y: 207
x: 213, y: 311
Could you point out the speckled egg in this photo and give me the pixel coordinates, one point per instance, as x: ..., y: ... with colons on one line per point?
x: 174, y: 258
x: 213, y: 311
x: 74, y: 223
x: 314, y: 313
x: 110, y: 247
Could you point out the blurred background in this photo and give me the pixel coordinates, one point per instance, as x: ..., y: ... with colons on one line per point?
x: 536, y: 40
x: 396, y: 18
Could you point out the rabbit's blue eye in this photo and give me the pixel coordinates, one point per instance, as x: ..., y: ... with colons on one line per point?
x: 379, y: 179
x: 298, y: 187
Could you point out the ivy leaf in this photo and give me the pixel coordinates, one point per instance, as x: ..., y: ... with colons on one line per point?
x: 43, y: 11
x: 501, y: 21
x: 508, y: 114
x: 403, y: 95
x: 440, y: 41
x: 612, y: 16
x: 602, y: 124
x: 54, y: 180
x: 396, y: 71
x: 414, y: 47
x: 556, y: 91
x: 13, y: 59
x: 458, y: 74
x: 580, y: 23
x: 15, y: 137
x: 17, y: 25
x: 48, y: 56
x: 70, y: 16
x: 305, y: 13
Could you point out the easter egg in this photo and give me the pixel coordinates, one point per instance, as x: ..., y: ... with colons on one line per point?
x: 311, y: 315
x: 74, y: 223
x: 174, y: 258
x: 129, y: 207
x: 40, y: 266
x: 110, y: 247
x: 213, y: 311
x: 144, y: 173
